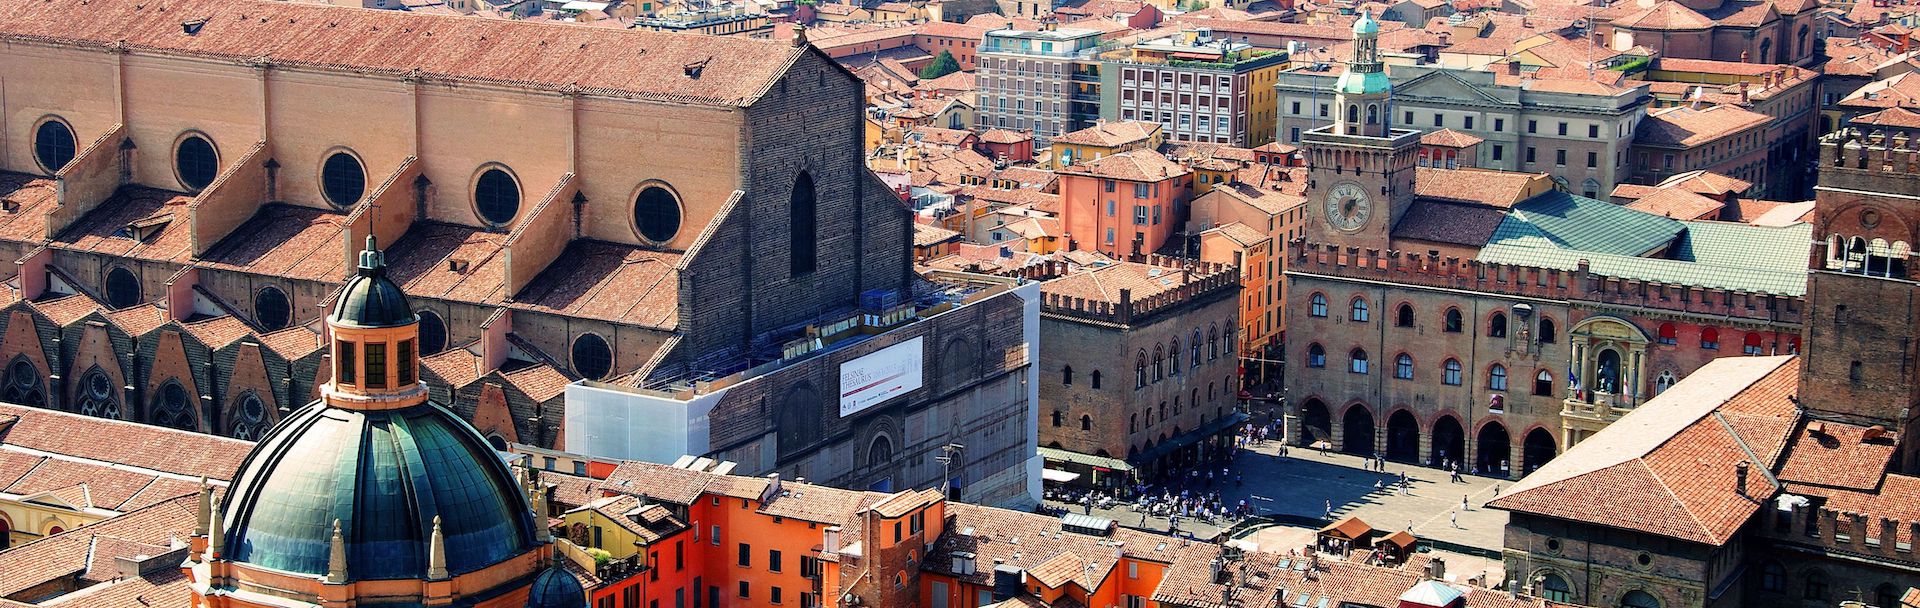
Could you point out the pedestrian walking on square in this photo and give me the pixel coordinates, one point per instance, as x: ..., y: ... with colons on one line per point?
x: 1463, y: 503
x: 1455, y: 517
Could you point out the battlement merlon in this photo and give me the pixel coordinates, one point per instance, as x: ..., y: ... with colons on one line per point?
x: 1870, y: 161
x: 1578, y: 284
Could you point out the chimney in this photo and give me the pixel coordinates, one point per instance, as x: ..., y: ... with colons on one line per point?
x: 1740, y: 477
x: 1437, y: 569
x: 773, y: 488
x: 799, y: 35
x: 830, y: 540
x: 1220, y: 574
x: 963, y: 563
x: 1743, y: 91
x: 1513, y: 67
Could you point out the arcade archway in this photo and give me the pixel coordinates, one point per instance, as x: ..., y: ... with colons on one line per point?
x: 1494, y: 445
x: 1538, y: 449
x: 1357, y: 431
x: 1316, y: 424
x: 1449, y: 440
x: 1403, y: 437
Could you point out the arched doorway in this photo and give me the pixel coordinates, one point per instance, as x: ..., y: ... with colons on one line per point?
x: 1449, y: 440
x: 6, y: 533
x: 1403, y: 437
x: 1315, y: 423
x: 1494, y: 445
x: 1539, y: 449
x: 1357, y: 430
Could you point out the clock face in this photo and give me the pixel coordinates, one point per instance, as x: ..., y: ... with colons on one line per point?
x: 1348, y: 207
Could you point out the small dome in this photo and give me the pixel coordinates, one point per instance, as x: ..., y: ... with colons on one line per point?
x: 371, y: 299
x: 1365, y: 25
x: 384, y: 475
x: 556, y: 588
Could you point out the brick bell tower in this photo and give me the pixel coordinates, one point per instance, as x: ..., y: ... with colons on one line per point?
x: 1862, y: 330
x: 1360, y: 168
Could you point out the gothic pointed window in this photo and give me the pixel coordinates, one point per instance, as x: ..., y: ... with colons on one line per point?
x: 23, y: 385
x: 249, y: 418
x: 802, y: 226
x: 97, y: 396
x: 172, y: 408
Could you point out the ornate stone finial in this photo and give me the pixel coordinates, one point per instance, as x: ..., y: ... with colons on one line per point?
x: 437, y: 554
x: 540, y: 532
x: 215, y: 535
x: 372, y: 261
x: 337, y: 557
x: 202, y: 521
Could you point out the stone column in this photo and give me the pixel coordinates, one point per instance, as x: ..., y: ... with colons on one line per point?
x: 1632, y: 388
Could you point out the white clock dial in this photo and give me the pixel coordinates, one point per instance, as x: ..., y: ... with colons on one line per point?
x: 1348, y: 207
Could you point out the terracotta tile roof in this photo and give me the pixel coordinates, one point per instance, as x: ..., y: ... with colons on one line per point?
x: 1449, y: 223
x: 1100, y: 8
x: 1837, y: 456
x: 163, y: 588
x: 419, y: 261
x: 570, y: 491
x: 138, y: 445
x: 1244, y: 235
x: 104, y: 486
x: 1706, y: 183
x: 735, y: 70
x: 1628, y: 192
x: 1036, y: 228
x: 1890, y: 117
x: 650, y: 522
x: 1349, y: 527
x: 948, y: 29
x: 1667, y: 15
x: 286, y: 241
x: 961, y: 82
x: 1493, y: 188
x: 1449, y: 138
x: 65, y: 310
x: 158, y: 217
x: 34, y: 197
x: 1258, y: 581
x: 68, y: 554
x: 1103, y: 284
x: 139, y: 320
x: 1136, y: 166
x: 817, y: 503
x: 1667, y: 467
x: 1063, y: 568
x: 1898, y: 90
x: 539, y: 380
x: 1111, y: 134
x: 292, y: 342
x: 1004, y: 136
x: 943, y: 137
x: 926, y: 235
x: 1322, y: 34
x: 1270, y: 201
x: 608, y: 281
x: 1678, y: 204
x: 1786, y: 214
x: 458, y: 366
x: 1029, y: 540
x: 1685, y: 127
x: 162, y: 489
x: 216, y: 332
x: 1848, y: 56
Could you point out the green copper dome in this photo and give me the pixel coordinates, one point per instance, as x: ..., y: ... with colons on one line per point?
x: 1365, y: 25
x: 557, y: 588
x: 384, y: 475
x: 370, y: 298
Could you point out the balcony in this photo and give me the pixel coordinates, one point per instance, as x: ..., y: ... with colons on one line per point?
x: 1085, y: 77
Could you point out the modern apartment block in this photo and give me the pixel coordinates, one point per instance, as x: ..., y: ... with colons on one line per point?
x: 1198, y: 87
x: 1576, y: 131
x: 1047, y: 80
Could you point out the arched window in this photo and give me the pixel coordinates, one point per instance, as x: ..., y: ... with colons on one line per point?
x: 1357, y: 361
x: 1353, y: 113
x: 1751, y: 346
x: 802, y: 226
x: 1453, y: 324
x: 342, y: 179
x: 1451, y: 373
x: 1359, y: 306
x: 1173, y: 358
x: 271, y: 309
x: 433, y: 333
x: 1547, y: 333
x: 1057, y: 418
x: 1816, y: 586
x: 97, y: 395
x: 1373, y: 114
x: 1093, y: 380
x: 1668, y: 334
x: 880, y: 452
x: 1159, y: 364
x: 592, y: 359
x: 1066, y: 377
x: 1773, y: 577
x: 1213, y: 343
x: 1133, y: 423
x: 53, y: 145
x: 1193, y: 349
x: 1403, y: 367
x: 496, y: 196
x: 1317, y: 305
x: 1404, y: 316
x: 1316, y: 356
x: 656, y: 214
x: 1140, y: 369
x: 173, y: 409
x: 1086, y: 422
x: 23, y: 385
x: 1710, y: 338
x: 1497, y: 325
x: 249, y: 418
x: 1543, y: 383
x: 1639, y: 599
x: 1555, y: 589
x: 1497, y: 377
x: 1663, y: 382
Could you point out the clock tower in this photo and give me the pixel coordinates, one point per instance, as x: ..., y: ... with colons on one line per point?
x: 1360, y: 168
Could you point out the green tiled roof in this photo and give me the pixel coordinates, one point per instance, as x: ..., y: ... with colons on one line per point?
x: 1711, y: 254
x: 1565, y: 221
